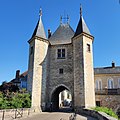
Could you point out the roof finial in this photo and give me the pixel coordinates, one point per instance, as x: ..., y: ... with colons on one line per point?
x: 80, y: 10
x: 60, y: 19
x: 40, y: 12
x: 68, y: 19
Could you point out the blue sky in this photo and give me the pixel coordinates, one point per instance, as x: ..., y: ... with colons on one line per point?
x: 18, y: 19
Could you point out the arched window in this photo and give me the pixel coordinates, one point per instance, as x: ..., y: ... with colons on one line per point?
x: 98, y: 85
x: 110, y: 84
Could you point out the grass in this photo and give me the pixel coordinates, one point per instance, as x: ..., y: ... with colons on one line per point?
x: 107, y: 111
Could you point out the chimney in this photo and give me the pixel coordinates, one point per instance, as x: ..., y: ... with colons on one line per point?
x: 113, y: 64
x: 17, y: 74
x: 49, y: 33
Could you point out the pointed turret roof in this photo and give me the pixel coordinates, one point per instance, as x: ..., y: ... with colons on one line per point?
x: 82, y: 27
x: 39, y: 30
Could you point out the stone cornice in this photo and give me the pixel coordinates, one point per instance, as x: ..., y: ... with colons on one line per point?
x: 38, y: 38
x: 61, y: 44
x: 84, y: 34
x: 107, y: 74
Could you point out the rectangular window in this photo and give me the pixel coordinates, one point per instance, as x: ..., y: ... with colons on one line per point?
x: 61, y: 53
x: 98, y: 103
x: 118, y: 83
x: 61, y: 71
x: 31, y: 50
x: 88, y: 47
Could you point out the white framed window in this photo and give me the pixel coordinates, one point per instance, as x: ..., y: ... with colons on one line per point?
x: 98, y: 85
x: 110, y: 84
x: 119, y: 83
x: 61, y: 53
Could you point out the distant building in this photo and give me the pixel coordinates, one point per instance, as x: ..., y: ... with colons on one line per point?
x: 20, y: 80
x: 107, y: 86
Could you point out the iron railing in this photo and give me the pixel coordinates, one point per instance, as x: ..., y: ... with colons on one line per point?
x: 115, y: 91
x: 15, y: 113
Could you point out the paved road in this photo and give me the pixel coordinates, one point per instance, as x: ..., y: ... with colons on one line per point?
x: 55, y: 116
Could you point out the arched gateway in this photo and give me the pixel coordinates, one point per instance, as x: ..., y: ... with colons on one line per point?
x: 62, y: 61
x: 55, y: 96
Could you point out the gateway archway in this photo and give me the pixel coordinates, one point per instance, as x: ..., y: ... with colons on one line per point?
x: 55, y: 98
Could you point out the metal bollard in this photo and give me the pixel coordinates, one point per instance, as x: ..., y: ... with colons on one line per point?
x: 28, y: 112
x: 70, y: 118
x: 3, y: 116
x: 15, y: 113
x: 22, y: 113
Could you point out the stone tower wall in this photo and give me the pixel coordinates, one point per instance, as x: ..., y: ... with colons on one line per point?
x: 88, y: 72
x: 38, y: 63
x: 30, y: 67
x: 79, y: 96
x: 84, y: 95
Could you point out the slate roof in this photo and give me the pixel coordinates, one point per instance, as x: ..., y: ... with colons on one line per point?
x: 82, y: 27
x: 62, y: 35
x: 107, y: 70
x: 39, y: 30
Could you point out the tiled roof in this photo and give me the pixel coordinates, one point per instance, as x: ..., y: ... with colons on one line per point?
x: 24, y: 74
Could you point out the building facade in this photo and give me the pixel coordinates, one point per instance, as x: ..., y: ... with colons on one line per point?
x: 20, y: 80
x: 107, y: 87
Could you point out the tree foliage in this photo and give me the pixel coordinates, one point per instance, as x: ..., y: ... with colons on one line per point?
x: 14, y: 100
x: 8, y: 87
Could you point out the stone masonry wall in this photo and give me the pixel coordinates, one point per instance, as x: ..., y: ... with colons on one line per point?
x: 88, y: 72
x: 54, y: 78
x: 30, y: 67
x: 84, y: 94
x: 110, y: 101
x: 79, y: 96
x: 37, y: 71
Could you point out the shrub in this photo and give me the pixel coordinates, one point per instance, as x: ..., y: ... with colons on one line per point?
x: 15, y: 100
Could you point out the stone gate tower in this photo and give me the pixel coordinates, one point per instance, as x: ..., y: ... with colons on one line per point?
x: 37, y: 63
x: 62, y: 61
x: 84, y: 94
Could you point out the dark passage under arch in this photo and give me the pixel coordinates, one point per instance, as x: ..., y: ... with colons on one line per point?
x: 55, y: 97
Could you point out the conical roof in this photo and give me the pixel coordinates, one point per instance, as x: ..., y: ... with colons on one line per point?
x: 82, y: 27
x: 62, y: 35
x: 39, y: 30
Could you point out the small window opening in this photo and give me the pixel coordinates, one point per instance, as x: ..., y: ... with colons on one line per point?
x: 60, y: 71
x: 31, y: 50
x: 88, y: 47
x: 98, y: 103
